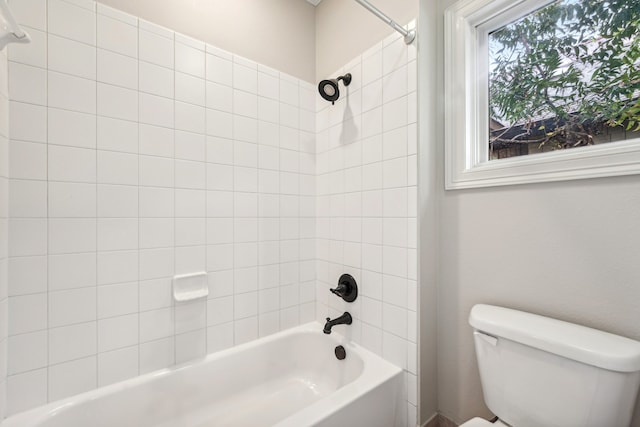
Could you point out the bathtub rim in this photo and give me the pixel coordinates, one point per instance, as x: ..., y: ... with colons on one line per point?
x: 376, y: 371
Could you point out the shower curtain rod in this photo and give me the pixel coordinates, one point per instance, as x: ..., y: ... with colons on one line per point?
x: 409, y: 36
x: 13, y: 32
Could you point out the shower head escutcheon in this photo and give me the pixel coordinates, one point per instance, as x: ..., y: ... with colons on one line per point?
x: 329, y: 89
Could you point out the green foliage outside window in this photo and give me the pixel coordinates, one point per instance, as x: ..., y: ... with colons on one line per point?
x: 566, y: 73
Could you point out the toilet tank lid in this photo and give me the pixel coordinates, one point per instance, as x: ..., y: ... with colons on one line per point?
x: 586, y: 345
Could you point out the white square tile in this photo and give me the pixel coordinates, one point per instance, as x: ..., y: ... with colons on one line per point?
x: 155, y: 294
x: 190, y: 174
x: 117, y: 332
x: 156, y: 49
x: 190, y: 117
x: 189, y: 146
x: 190, y: 231
x: 219, y: 124
x: 190, y: 316
x: 156, y: 110
x: 220, y: 203
x: 245, y: 129
x: 71, y: 93
x: 395, y: 202
x: 71, y: 164
x: 219, y: 337
x: 26, y: 390
x: 289, y: 93
x: 156, y: 324
x: 156, y: 80
x: 27, y: 313
x: 190, y: 259
x: 72, y: 306
x: 117, y: 168
x: 157, y: 355
x: 117, y: 300
x: 156, y: 171
x: 71, y: 128
x: 72, y: 271
x: 219, y: 96
x: 117, y: 36
x: 394, y: 55
x: 190, y: 203
x: 71, y: 57
x: 220, y: 257
x: 268, y: 110
x: 395, y: 114
x: 156, y: 141
x: 117, y: 135
x: 156, y: 263
x: 70, y: 378
x: 190, y: 89
x: 118, y: 70
x: 72, y: 200
x: 117, y: 267
x: 268, y: 86
x: 72, y: 342
x: 72, y: 235
x: 27, y: 237
x: 27, y: 199
x: 219, y: 310
x: 394, y: 143
x: 117, y: 102
x: 73, y: 22
x: 117, y: 201
x: 156, y: 232
x: 156, y: 202
x: 27, y: 84
x: 245, y: 78
x: 118, y: 365
x: 219, y: 70
x: 117, y: 234
x: 245, y: 330
x: 27, y: 275
x: 27, y: 352
x: 191, y: 345
x: 372, y: 66
x: 245, y: 104
x: 27, y: 122
x: 190, y: 60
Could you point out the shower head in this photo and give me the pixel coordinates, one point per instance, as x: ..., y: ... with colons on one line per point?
x: 329, y: 88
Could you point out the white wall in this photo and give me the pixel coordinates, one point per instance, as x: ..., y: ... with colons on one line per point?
x: 344, y: 29
x: 276, y: 33
x: 366, y: 205
x: 137, y: 154
x: 4, y: 231
x: 567, y: 250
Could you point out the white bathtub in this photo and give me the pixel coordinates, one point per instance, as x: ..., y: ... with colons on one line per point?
x: 290, y: 379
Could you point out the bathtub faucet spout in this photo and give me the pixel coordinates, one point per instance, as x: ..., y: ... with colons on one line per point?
x: 345, y: 319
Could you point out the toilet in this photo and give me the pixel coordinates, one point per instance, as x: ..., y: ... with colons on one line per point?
x: 542, y: 372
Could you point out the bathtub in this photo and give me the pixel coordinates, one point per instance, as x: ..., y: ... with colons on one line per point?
x: 289, y: 379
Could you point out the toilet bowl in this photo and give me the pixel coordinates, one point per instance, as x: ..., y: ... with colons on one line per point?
x: 541, y: 372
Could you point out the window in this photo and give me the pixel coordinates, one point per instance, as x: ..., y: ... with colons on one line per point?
x: 541, y: 91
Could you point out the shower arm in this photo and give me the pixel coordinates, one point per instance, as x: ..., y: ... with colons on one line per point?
x: 409, y: 36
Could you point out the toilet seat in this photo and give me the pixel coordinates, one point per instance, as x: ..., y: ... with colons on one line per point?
x: 480, y: 422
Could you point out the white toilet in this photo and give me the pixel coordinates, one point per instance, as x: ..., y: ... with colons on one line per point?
x: 542, y: 372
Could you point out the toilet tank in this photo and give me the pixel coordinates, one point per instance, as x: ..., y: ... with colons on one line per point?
x: 542, y: 372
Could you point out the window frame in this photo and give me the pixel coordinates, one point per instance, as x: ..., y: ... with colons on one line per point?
x: 467, y: 26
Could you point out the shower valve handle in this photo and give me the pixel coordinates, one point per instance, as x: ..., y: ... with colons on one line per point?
x: 347, y: 288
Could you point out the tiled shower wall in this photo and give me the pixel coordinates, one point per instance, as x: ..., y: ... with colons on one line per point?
x: 4, y: 214
x: 367, y: 204
x: 137, y: 154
